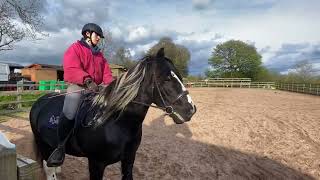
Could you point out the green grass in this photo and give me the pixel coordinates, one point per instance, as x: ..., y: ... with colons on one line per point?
x: 24, y: 97
x: 24, y: 115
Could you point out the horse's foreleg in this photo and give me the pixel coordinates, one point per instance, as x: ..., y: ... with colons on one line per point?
x: 126, y: 166
x: 96, y: 169
x: 51, y: 172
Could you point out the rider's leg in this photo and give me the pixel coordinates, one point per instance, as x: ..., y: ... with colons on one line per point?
x: 66, y: 124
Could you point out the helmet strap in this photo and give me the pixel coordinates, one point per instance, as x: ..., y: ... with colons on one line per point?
x: 93, y: 45
x: 89, y: 39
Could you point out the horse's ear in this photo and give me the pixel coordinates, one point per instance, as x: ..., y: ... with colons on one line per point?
x: 160, y: 53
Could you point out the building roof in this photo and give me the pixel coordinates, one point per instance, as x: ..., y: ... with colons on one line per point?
x: 57, y: 67
x: 14, y: 65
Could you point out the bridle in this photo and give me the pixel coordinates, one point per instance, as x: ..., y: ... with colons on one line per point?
x: 167, y: 107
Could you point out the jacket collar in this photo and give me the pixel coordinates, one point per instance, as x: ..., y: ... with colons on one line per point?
x: 94, y: 50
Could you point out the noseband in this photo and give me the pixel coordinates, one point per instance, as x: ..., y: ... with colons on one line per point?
x: 166, y: 107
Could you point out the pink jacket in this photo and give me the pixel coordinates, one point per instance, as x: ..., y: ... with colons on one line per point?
x: 80, y: 63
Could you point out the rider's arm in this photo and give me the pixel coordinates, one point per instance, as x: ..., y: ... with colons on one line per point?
x: 107, y: 74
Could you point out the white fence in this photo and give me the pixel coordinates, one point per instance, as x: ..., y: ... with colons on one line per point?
x: 230, y: 83
x: 313, y: 89
x: 300, y: 88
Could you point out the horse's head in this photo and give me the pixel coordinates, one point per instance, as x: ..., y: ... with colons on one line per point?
x: 168, y: 89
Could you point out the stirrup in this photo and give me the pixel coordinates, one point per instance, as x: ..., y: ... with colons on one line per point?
x: 57, y: 157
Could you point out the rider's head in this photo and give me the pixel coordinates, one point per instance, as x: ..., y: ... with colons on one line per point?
x: 92, y: 33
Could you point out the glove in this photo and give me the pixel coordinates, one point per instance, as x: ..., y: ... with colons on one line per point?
x: 91, y: 85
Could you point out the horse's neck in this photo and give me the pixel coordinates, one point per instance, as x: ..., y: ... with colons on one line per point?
x: 138, y: 108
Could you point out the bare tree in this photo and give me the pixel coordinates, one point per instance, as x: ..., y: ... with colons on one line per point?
x: 19, y: 20
x: 109, y: 46
x: 304, y: 70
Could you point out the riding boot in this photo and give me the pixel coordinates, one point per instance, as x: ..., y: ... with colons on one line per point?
x: 64, y: 130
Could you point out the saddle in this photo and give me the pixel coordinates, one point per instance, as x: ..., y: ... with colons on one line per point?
x: 51, y: 116
x: 85, y: 113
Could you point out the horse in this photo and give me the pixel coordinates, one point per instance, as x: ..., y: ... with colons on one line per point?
x: 109, y: 124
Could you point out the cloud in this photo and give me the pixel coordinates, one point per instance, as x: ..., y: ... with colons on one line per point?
x: 199, y: 62
x: 201, y: 4
x: 73, y: 14
x: 139, y: 38
x: 48, y: 51
x: 283, y: 31
x: 288, y: 55
x: 200, y: 51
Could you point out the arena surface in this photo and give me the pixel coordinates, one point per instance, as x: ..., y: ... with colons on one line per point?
x: 236, y: 134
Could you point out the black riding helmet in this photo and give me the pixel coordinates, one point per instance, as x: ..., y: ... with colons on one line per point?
x: 92, y: 27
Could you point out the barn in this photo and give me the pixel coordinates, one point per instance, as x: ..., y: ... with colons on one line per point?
x: 37, y: 72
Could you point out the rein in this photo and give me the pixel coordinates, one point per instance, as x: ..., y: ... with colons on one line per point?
x: 63, y: 94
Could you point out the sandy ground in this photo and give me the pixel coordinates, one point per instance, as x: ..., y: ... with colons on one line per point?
x: 236, y: 134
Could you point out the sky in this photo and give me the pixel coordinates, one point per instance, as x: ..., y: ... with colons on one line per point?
x: 283, y: 31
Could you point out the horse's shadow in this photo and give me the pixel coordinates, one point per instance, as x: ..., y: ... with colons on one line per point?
x: 170, y: 152
x: 181, y: 130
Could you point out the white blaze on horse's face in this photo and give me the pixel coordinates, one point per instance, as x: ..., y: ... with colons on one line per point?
x: 183, y: 88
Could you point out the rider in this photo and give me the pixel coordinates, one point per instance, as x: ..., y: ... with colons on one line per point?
x: 84, y: 68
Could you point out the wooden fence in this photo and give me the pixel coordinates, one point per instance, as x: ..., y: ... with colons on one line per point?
x: 24, y: 89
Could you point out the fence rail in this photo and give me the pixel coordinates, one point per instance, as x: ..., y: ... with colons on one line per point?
x: 313, y: 89
x: 300, y: 88
x: 12, y: 106
x: 230, y: 84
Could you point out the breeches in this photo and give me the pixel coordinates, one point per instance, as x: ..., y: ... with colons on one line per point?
x: 72, y: 101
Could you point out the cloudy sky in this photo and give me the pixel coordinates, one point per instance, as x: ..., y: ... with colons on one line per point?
x: 283, y: 31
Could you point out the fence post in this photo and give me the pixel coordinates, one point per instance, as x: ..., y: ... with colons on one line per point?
x: 310, y: 92
x: 8, y: 159
x: 19, y: 90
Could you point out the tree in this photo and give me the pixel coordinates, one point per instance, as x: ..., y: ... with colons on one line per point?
x: 235, y: 59
x: 179, y: 54
x: 123, y: 57
x: 265, y: 75
x: 19, y: 20
x: 108, y: 46
x: 115, y: 53
x: 304, y: 70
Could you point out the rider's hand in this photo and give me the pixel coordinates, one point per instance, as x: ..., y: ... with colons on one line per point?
x: 91, y: 85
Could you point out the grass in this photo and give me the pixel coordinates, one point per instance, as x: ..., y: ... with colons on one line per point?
x: 24, y: 97
x: 7, y: 115
x: 10, y: 111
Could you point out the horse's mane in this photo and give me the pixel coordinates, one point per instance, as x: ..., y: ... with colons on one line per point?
x: 120, y: 93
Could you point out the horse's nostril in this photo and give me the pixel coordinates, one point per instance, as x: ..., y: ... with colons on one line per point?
x: 194, y: 109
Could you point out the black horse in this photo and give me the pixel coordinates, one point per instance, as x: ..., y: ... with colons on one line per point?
x: 109, y: 124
